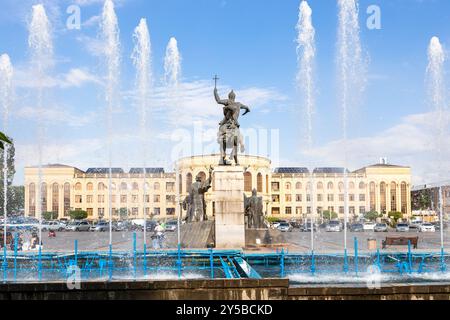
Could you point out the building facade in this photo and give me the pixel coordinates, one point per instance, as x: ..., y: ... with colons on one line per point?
x: 426, y: 199
x: 286, y: 192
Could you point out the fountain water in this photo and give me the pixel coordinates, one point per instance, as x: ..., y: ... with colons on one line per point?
x: 142, y: 61
x: 306, y: 50
x: 437, y: 100
x: 351, y: 69
x: 41, y: 47
x: 6, y: 75
x: 110, y: 35
x: 172, y: 73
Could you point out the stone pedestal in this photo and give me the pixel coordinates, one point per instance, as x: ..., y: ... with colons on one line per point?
x: 229, y: 207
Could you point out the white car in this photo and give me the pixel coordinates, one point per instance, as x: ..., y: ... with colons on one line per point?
x: 78, y: 226
x: 427, y: 227
x: 369, y: 226
x: 53, y: 226
x: 334, y: 226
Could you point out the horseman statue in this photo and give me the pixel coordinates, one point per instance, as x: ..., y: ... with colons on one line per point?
x: 229, y: 135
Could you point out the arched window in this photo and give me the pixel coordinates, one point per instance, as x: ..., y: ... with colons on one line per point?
x: 393, y: 196
x: 319, y: 185
x: 78, y: 186
x: 123, y: 186
x: 341, y: 186
x: 90, y: 186
x: 101, y: 186
x: 43, y: 197
x: 298, y: 185
x: 362, y: 185
x: 259, y: 183
x: 383, y: 197
x: 188, y: 181
x: 351, y: 185
x: 55, y: 198
x: 247, y: 181
x: 135, y: 186
x: 32, y: 199
x: 66, y: 198
x: 403, y: 193
x: 146, y: 187
x: 372, y: 196
x: 330, y: 185
x: 288, y: 186
x: 202, y: 176
x: 156, y: 186
x: 308, y: 186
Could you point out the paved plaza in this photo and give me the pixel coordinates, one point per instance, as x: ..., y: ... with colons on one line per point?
x: 295, y: 241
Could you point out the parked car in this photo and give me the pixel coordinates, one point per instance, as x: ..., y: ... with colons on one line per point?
x: 275, y: 224
x: 101, y: 226
x: 306, y: 227
x: 427, y: 227
x: 402, y: 227
x: 369, y: 226
x: 381, y: 227
x: 53, y: 226
x: 295, y: 224
x: 285, y: 227
x: 334, y: 226
x: 356, y: 227
x: 415, y: 225
x: 171, y: 225
x: 78, y: 226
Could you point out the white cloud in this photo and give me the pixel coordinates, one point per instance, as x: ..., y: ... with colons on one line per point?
x: 411, y: 142
x: 55, y: 114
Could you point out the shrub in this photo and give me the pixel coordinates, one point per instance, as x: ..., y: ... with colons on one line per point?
x: 395, y: 215
x: 78, y: 214
x: 329, y: 215
x: 49, y: 215
x: 371, y: 215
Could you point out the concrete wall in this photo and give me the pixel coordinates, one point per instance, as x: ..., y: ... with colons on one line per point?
x: 240, y: 289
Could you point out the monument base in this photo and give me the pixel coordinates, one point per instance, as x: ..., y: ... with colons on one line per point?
x: 229, y: 207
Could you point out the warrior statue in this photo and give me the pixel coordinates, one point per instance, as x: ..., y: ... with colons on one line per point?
x: 254, y: 211
x: 229, y: 135
x: 194, y: 203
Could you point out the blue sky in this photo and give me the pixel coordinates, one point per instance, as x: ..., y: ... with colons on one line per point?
x: 251, y: 46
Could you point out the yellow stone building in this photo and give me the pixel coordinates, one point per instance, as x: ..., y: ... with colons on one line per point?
x: 286, y: 192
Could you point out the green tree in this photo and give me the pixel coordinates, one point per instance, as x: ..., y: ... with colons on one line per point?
x: 371, y: 215
x: 13, y: 194
x: 329, y: 215
x: 4, y: 139
x: 49, y: 215
x: 395, y: 215
x: 123, y: 213
x: 78, y: 214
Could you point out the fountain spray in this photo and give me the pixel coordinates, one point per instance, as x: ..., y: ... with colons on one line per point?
x: 6, y: 89
x: 142, y: 61
x: 41, y: 47
x: 351, y: 69
x: 306, y: 50
x: 110, y: 34
x: 172, y: 73
x: 437, y: 100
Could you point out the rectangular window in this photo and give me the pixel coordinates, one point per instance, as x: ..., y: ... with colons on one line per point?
x: 298, y: 210
x: 157, y: 211
x: 298, y: 197
x: 78, y: 199
x: 134, y: 198
x: 351, y: 210
x: 341, y: 210
x: 308, y: 197
x: 308, y: 210
x: 156, y: 198
x: 89, y: 199
x: 170, y: 186
x: 90, y: 212
x: 101, y: 198
x: 147, y: 198
x: 101, y: 212
x: 275, y: 211
x: 341, y: 197
x: 288, y: 198
x: 351, y: 197
x: 362, y: 197
x: 275, y: 198
x: 288, y: 210
x: 170, y: 199
x: 275, y: 186
x: 330, y: 197
x: 319, y: 197
x: 170, y: 211
x: 362, y: 210
x: 134, y: 211
x: 123, y: 198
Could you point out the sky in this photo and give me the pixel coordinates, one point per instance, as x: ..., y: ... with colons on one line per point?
x: 251, y: 46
